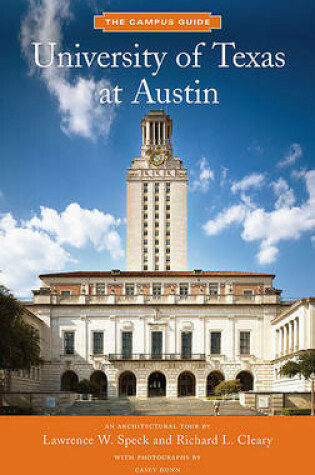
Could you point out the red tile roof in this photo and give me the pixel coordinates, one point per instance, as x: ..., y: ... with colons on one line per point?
x: 155, y: 274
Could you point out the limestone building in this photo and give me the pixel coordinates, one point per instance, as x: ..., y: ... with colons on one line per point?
x: 156, y: 201
x: 156, y: 328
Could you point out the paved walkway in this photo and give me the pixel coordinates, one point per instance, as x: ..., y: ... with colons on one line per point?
x: 154, y: 406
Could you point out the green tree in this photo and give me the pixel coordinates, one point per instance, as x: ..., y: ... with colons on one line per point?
x: 304, y: 366
x: 228, y: 387
x: 19, y: 341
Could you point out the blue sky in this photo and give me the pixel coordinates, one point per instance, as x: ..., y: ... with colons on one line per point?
x: 250, y: 158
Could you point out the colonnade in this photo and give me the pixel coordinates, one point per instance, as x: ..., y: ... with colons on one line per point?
x: 287, y: 338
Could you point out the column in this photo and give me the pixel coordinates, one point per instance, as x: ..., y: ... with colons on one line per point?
x: 148, y: 133
x: 297, y: 334
x: 277, y: 348
x: 153, y: 134
x: 282, y: 341
x: 164, y: 133
x: 292, y: 336
x: 143, y: 132
x: 286, y: 339
x: 159, y: 132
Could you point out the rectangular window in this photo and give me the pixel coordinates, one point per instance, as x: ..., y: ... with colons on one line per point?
x: 156, y: 187
x: 183, y: 289
x: 215, y: 345
x: 145, y: 187
x: 65, y: 293
x: 98, y: 343
x: 100, y: 289
x: 69, y: 343
x: 213, y: 288
x: 168, y: 198
x: 245, y: 343
x: 156, y: 267
x: 130, y: 289
x: 126, y: 344
x: 168, y: 267
x: 156, y: 344
x: 156, y: 289
x: 186, y: 345
x: 145, y: 207
x: 248, y: 293
x: 168, y: 187
x: 156, y: 197
x: 168, y: 207
x: 145, y: 267
x: 145, y: 198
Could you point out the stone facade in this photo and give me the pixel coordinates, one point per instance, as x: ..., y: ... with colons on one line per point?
x: 293, y: 333
x: 102, y: 305
x: 156, y: 201
x: 158, y: 329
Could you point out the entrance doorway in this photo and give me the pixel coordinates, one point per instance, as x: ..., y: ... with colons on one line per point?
x: 186, y: 384
x: 246, y: 380
x: 127, y: 384
x: 99, y: 380
x: 213, y: 379
x: 69, y: 381
x: 156, y: 385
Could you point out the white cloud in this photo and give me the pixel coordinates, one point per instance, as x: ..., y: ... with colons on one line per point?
x: 255, y: 180
x: 206, y: 175
x: 77, y: 226
x: 234, y: 214
x: 267, y: 254
x: 285, y: 194
x: 42, y: 244
x: 79, y: 107
x: 269, y: 228
x: 295, y: 152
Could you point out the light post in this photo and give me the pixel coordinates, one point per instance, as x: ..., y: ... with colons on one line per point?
x: 312, y: 377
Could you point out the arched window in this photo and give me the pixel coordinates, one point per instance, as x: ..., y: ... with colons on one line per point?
x: 127, y: 384
x: 246, y: 380
x: 186, y: 384
x: 69, y: 381
x: 99, y: 380
x: 156, y: 384
x: 213, y: 379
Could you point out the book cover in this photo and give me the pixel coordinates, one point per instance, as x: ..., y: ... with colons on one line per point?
x: 157, y: 233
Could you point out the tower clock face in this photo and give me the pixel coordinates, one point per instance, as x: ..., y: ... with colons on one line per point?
x: 157, y: 157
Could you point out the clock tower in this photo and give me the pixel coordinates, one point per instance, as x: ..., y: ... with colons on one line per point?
x: 156, y: 201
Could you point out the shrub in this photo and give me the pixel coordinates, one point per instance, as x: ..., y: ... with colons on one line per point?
x: 291, y: 368
x: 227, y: 387
x: 86, y: 387
x: 294, y: 411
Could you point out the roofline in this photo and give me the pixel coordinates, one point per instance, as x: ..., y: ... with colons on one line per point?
x: 156, y: 274
x: 31, y: 314
x: 294, y: 306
